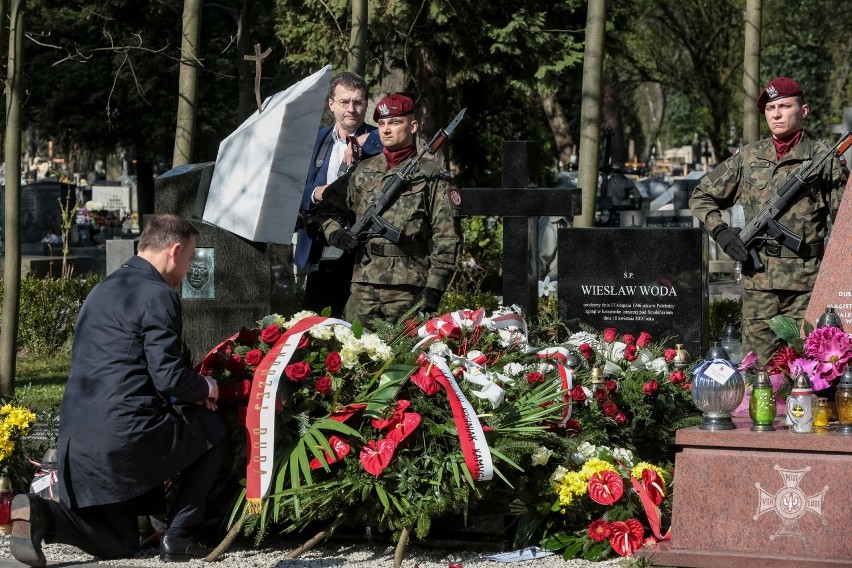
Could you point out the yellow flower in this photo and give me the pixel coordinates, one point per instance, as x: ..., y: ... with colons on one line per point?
x: 596, y: 465
x: 18, y: 417
x: 641, y: 466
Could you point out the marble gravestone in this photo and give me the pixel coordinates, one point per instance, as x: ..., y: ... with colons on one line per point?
x: 636, y: 279
x: 833, y: 287
x: 248, y: 199
x: 261, y: 167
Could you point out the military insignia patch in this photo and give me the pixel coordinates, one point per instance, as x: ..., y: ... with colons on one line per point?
x: 760, y: 164
x: 455, y: 197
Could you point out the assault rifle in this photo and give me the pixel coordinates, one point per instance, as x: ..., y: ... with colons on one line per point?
x: 372, y: 223
x: 764, y: 226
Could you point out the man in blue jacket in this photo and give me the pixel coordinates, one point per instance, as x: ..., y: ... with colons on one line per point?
x: 133, y: 416
x: 329, y: 270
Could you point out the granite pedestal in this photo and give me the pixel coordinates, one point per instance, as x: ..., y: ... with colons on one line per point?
x: 760, y: 499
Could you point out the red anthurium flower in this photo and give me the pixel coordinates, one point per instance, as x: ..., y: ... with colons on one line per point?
x: 644, y: 340
x: 409, y: 423
x: 605, y: 487
x: 626, y: 537
x: 654, y: 485
x: 610, y: 334
x: 344, y: 413
x: 424, y: 380
x: 395, y: 418
x: 599, y: 530
x: 341, y: 449
x: 375, y: 456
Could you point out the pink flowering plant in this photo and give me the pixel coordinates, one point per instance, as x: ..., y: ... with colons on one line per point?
x: 823, y: 354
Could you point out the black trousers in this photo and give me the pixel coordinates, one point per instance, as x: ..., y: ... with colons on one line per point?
x: 112, y: 531
x: 328, y: 285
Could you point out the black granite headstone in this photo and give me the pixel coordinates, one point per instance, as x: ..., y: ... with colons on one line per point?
x: 520, y: 204
x: 242, y: 271
x: 652, y: 280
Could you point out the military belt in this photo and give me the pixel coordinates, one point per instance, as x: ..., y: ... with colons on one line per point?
x: 807, y: 250
x: 415, y: 249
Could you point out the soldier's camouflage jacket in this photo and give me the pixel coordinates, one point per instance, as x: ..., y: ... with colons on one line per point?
x: 423, y: 211
x: 751, y: 177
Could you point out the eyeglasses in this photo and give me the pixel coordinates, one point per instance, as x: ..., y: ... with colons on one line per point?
x: 344, y: 104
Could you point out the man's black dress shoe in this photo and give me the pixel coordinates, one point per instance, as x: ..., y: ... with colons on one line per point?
x: 29, y: 526
x: 181, y: 549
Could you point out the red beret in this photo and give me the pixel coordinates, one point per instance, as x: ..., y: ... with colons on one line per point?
x: 778, y: 88
x: 392, y: 105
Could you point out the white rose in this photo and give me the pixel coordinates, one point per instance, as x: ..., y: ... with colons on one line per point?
x: 371, y: 342
x: 349, y: 357
x: 541, y: 455
x: 623, y: 455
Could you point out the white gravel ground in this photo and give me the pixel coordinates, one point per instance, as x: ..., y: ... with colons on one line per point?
x: 327, y: 556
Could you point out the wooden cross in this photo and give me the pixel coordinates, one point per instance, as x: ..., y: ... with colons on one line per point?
x: 520, y: 206
x: 258, y: 58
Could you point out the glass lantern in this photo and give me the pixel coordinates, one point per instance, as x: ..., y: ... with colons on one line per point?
x: 843, y: 398
x: 761, y: 405
x: 717, y: 390
x: 6, y: 496
x: 732, y: 344
x: 681, y: 358
x: 830, y: 318
x: 599, y: 391
x: 802, y: 405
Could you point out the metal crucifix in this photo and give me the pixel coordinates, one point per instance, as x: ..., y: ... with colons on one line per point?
x: 258, y: 58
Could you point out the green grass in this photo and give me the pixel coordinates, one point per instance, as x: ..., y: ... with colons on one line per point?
x: 40, y: 381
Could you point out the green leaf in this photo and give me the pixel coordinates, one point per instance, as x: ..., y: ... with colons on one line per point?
x: 357, y: 328
x: 598, y: 551
x: 503, y: 457
x: 383, y: 497
x: 787, y: 329
x: 391, y: 381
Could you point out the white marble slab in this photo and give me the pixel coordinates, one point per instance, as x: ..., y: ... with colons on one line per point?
x: 112, y: 197
x: 261, y: 167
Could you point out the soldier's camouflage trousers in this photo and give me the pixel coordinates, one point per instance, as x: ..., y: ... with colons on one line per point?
x: 762, y: 305
x: 368, y: 301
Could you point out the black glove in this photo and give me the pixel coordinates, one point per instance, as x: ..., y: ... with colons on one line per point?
x: 730, y: 241
x: 431, y: 299
x: 344, y: 240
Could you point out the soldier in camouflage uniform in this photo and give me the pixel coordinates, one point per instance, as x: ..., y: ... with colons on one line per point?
x: 751, y: 177
x: 419, y: 266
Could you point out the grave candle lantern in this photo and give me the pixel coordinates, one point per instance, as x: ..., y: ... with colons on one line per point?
x: 598, y: 383
x: 830, y: 318
x: 843, y: 398
x: 761, y: 405
x: 681, y: 358
x: 717, y: 389
x: 5, y: 505
x: 802, y: 405
x: 732, y: 344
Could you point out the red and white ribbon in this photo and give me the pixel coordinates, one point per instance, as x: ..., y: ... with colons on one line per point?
x: 559, y: 355
x: 260, y: 416
x: 449, y: 325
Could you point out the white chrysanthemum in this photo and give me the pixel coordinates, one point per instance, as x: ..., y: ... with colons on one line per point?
x: 513, y: 369
x: 544, y: 368
x: 440, y: 349
x: 341, y: 332
x: 623, y: 455
x: 323, y: 332
x: 353, y: 344
x: 541, y: 456
x: 298, y: 316
x: 488, y: 323
x: 582, y: 337
x: 511, y: 336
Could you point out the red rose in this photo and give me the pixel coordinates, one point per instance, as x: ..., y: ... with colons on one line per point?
x: 669, y: 354
x: 303, y: 342
x: 611, y: 385
x: 578, y: 394
x: 644, y: 340
x: 599, y: 530
x: 271, y: 334
x: 587, y: 352
x: 235, y: 364
x: 610, y: 334
x: 298, y: 371
x: 535, y: 378
x: 677, y: 377
x: 650, y: 389
x: 626, y: 537
x: 628, y: 339
x: 248, y: 335
x: 621, y: 419
x: 630, y: 353
x: 254, y: 357
x: 572, y: 427
x: 610, y: 409
x: 213, y: 361
x: 687, y: 386
x: 601, y: 395
x: 332, y: 362
x: 323, y: 385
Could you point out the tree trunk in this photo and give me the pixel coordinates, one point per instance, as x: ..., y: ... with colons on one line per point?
x: 651, y: 101
x: 246, y: 103
x: 558, y: 127
x: 590, y: 111
x: 751, y: 70
x: 358, y: 37
x: 187, y: 83
x: 12, y: 220
x: 431, y: 98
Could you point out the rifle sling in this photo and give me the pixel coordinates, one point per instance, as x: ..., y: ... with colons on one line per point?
x: 414, y: 249
x: 807, y: 250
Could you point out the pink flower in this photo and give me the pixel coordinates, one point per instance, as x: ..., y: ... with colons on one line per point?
x: 832, y: 349
x: 644, y: 340
x: 610, y: 334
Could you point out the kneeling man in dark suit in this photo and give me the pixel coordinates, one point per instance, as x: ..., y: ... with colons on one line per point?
x: 133, y: 416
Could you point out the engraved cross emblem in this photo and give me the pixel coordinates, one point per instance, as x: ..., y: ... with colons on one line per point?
x: 790, y: 503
